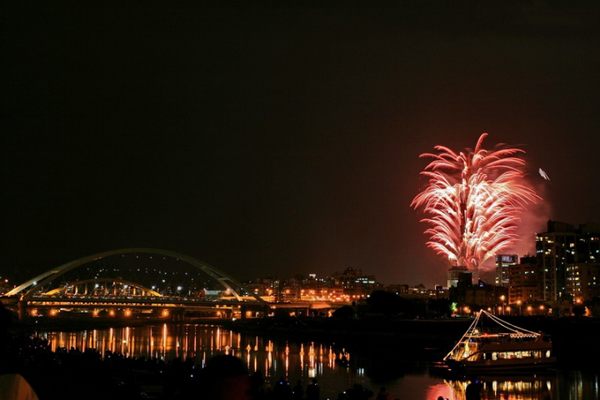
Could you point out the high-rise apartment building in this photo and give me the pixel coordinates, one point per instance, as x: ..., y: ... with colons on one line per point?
x: 503, y: 261
x: 588, y: 243
x: 583, y: 281
x: 561, y: 245
x: 555, y: 248
x: 524, y: 285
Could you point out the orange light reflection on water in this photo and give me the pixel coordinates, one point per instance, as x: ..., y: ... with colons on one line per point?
x: 200, y: 342
x: 334, y: 367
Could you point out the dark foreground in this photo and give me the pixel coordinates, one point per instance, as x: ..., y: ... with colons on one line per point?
x: 71, y: 374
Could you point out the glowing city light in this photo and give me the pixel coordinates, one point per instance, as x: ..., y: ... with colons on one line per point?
x: 474, y: 199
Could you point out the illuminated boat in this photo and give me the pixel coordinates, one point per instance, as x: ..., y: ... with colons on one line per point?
x: 515, y: 349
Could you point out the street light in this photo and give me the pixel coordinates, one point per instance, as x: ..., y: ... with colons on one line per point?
x: 519, y: 303
x: 502, y: 299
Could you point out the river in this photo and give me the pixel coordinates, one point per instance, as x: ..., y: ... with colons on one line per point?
x: 336, y: 368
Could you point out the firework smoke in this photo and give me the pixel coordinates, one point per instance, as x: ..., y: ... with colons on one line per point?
x: 474, y: 200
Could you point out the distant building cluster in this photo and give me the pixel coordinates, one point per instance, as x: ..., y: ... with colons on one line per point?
x: 566, y: 266
x: 564, y: 271
x: 347, y: 286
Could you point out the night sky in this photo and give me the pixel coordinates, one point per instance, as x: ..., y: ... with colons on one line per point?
x: 282, y: 138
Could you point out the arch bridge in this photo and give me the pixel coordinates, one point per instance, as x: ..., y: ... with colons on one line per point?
x: 50, y: 292
x: 116, y: 287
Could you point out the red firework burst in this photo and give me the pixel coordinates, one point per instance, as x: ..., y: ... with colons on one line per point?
x: 474, y: 200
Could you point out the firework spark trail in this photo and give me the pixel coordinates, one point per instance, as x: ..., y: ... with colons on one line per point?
x: 474, y: 200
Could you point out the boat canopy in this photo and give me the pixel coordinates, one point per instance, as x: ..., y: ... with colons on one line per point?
x: 512, y: 330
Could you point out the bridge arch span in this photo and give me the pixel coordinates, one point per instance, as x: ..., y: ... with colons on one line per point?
x: 114, y: 283
x: 29, y: 288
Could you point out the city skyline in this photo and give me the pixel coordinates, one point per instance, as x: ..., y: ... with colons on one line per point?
x: 267, y: 140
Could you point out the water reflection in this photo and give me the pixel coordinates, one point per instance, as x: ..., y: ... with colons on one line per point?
x: 292, y: 361
x: 514, y: 387
x: 558, y: 384
x: 335, y: 367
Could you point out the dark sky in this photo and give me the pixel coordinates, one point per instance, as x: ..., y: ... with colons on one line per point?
x: 281, y: 138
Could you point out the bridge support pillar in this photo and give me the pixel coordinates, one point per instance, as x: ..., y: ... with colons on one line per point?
x: 177, y: 316
x: 21, y: 310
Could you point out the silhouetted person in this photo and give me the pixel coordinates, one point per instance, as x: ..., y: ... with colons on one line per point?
x: 269, y: 395
x: 257, y: 389
x: 298, y: 390
x: 225, y: 378
x: 342, y: 396
x: 383, y: 394
x: 282, y: 390
x: 473, y: 391
x: 313, y: 391
x: 358, y: 392
x: 12, y: 384
x: 15, y: 387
